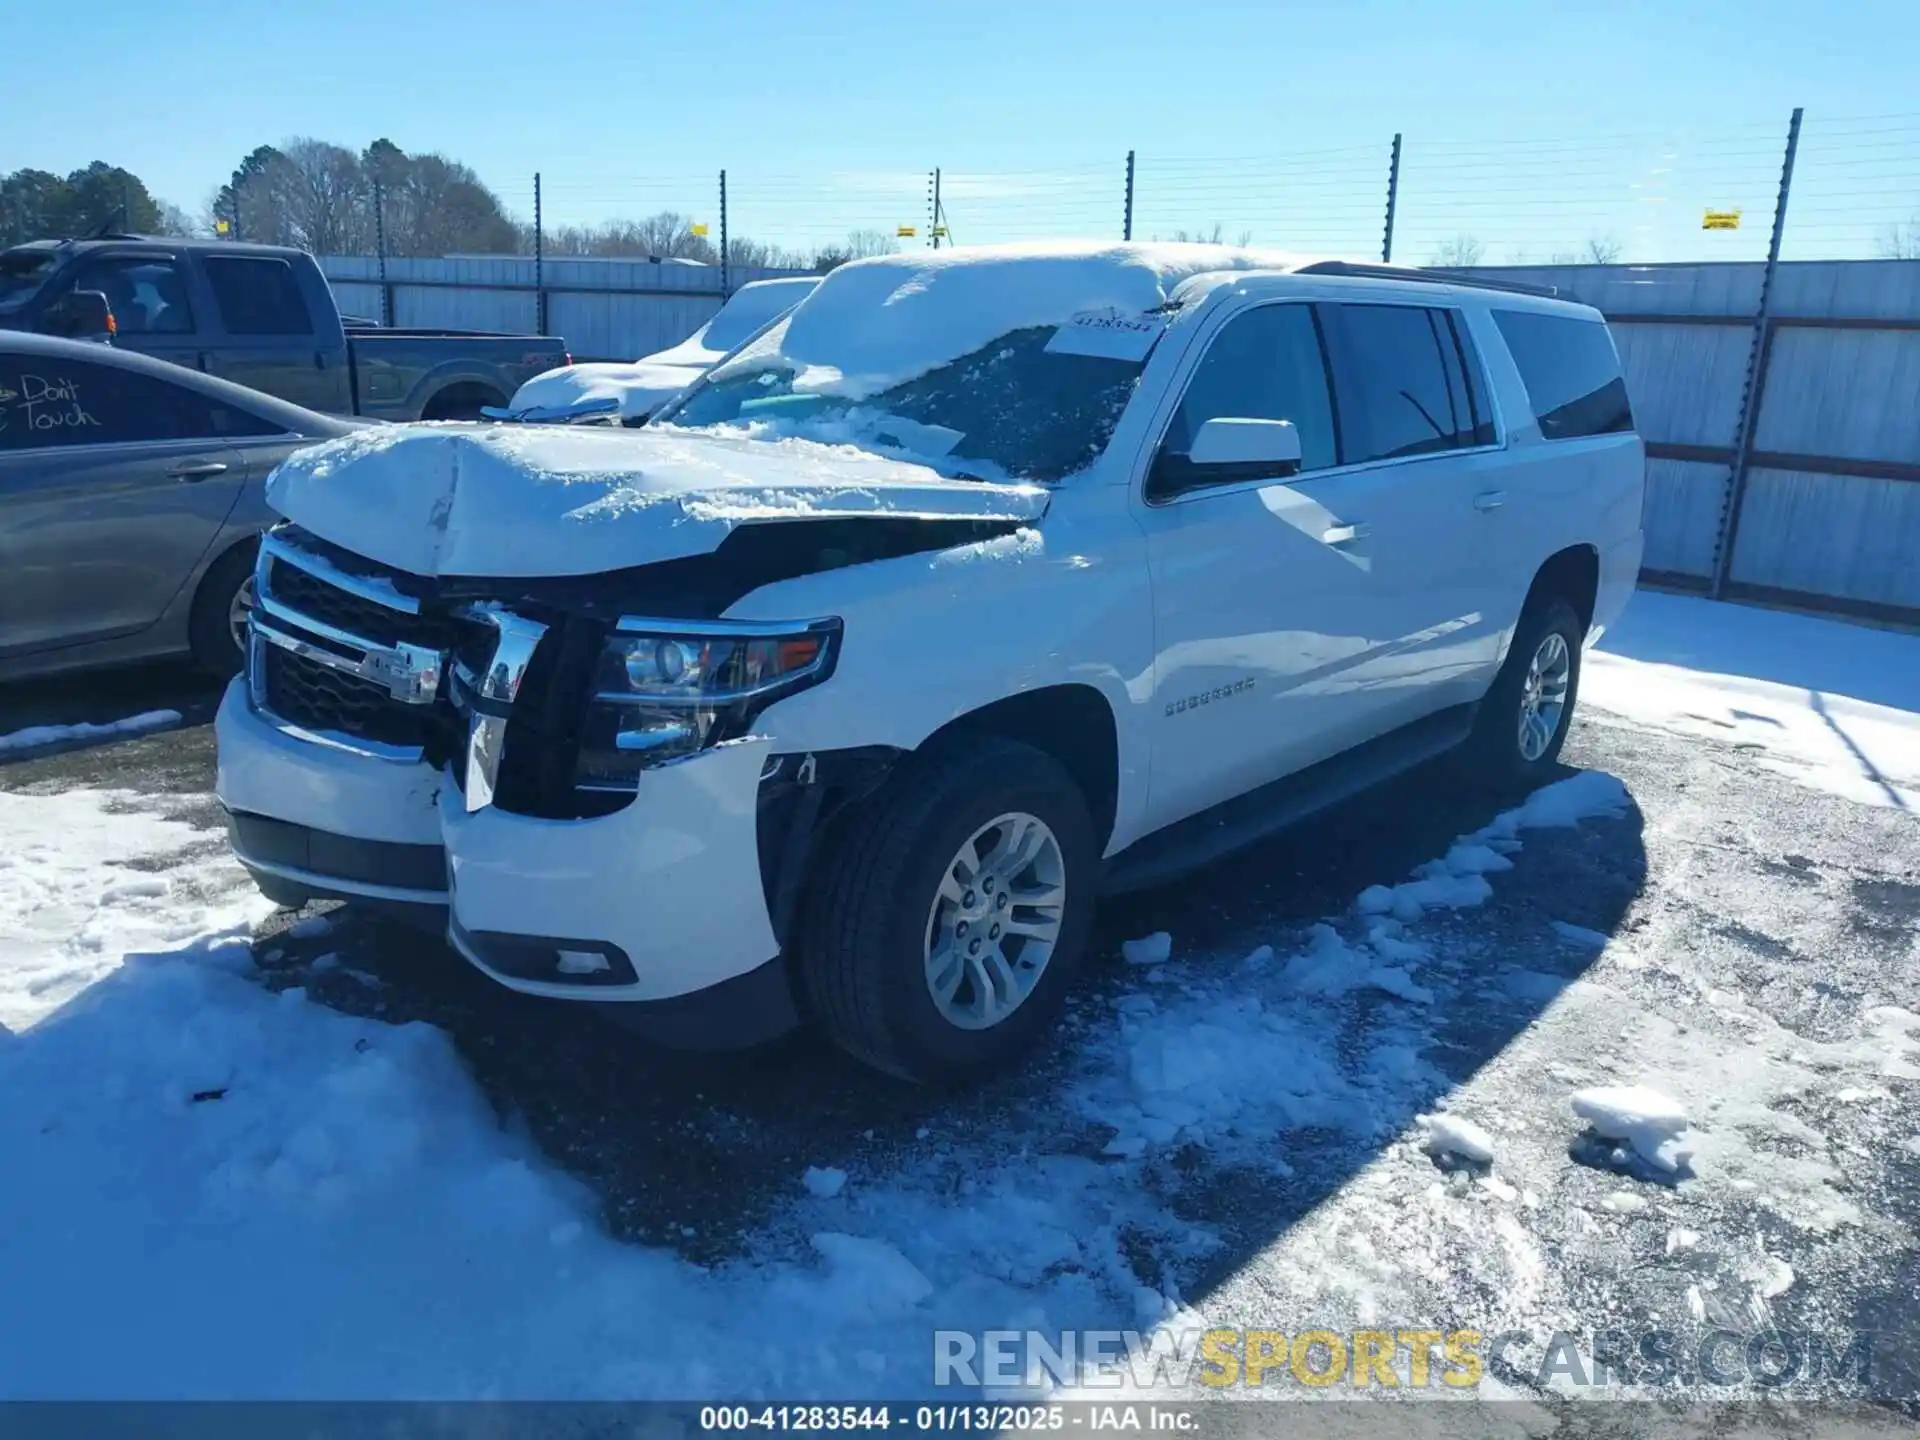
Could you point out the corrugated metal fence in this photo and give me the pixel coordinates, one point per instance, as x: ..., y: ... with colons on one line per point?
x: 1827, y: 484
x: 1827, y: 481
x: 605, y: 309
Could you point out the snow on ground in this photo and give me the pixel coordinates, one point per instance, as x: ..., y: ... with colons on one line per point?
x: 86, y: 879
x: 38, y: 737
x: 283, y: 1149
x: 208, y: 1153
x: 1831, y: 704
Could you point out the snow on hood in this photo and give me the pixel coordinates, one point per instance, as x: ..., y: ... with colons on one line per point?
x: 877, y: 323
x: 636, y: 389
x: 459, y: 499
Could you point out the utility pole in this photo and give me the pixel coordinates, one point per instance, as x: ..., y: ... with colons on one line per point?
x: 939, y: 219
x: 1126, y: 224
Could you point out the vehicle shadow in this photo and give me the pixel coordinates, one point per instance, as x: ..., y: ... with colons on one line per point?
x: 698, y: 1152
x: 99, y: 697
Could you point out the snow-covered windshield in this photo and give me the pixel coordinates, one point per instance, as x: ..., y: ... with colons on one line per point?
x: 1011, y: 409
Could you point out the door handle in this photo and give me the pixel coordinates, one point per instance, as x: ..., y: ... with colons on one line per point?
x: 1345, y: 534
x: 190, y: 470
x: 1489, y: 500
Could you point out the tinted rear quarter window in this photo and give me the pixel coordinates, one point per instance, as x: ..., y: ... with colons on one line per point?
x: 1400, y: 386
x: 1571, y: 372
x: 258, y: 296
x: 47, y: 401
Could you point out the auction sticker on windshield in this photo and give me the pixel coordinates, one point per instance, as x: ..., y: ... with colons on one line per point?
x: 1107, y: 335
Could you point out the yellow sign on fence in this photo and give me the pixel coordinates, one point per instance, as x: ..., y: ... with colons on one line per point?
x: 1720, y: 220
x: 699, y: 229
x: 906, y: 232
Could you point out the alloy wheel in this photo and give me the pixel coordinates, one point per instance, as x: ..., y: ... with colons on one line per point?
x: 995, y: 921
x: 1543, y: 698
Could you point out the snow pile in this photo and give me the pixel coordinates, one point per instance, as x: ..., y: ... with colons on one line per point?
x: 1454, y: 1135
x: 824, y: 1182
x: 1219, y: 1062
x: 871, y: 1276
x: 1829, y: 704
x: 1641, y: 1117
x: 35, y: 737
x: 1154, y: 949
x: 880, y: 322
x: 1329, y: 967
x: 1237, y: 1056
x: 1457, y: 880
x: 82, y: 882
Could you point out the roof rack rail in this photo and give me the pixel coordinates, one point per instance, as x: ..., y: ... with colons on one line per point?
x: 1361, y: 270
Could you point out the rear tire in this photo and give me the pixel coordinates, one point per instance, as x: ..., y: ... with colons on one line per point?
x: 1523, y: 721
x: 941, y: 979
x: 216, y: 627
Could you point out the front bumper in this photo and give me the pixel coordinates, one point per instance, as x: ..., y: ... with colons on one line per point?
x: 660, y: 900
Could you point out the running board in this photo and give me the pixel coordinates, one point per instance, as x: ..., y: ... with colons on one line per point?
x: 1199, y: 840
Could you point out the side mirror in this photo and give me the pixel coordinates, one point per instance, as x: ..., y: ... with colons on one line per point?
x: 1226, y: 450
x: 1273, y: 446
x: 80, y: 315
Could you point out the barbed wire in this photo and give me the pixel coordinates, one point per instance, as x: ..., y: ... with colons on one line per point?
x: 1645, y: 194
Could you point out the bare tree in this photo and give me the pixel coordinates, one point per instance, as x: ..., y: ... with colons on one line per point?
x: 1197, y: 237
x: 325, y: 196
x: 1603, y: 250
x: 862, y: 243
x: 1900, y: 242
x: 176, y: 222
x: 1458, y: 253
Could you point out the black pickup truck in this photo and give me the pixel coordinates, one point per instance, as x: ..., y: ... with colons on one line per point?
x: 263, y: 316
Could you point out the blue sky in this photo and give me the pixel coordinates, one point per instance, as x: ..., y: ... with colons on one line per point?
x: 1530, y: 127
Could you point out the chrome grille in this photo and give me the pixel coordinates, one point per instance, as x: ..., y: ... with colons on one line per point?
x: 316, y: 697
x: 348, y: 658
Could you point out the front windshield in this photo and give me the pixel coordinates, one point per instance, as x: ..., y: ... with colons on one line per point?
x: 1010, y: 410
x: 22, y: 272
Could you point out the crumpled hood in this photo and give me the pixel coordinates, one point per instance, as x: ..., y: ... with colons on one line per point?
x: 636, y: 389
x: 507, y: 500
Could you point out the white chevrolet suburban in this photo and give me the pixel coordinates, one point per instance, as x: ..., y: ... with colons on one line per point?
x: 983, y: 583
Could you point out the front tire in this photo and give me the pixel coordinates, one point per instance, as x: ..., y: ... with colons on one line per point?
x: 951, y: 910
x: 1523, y: 720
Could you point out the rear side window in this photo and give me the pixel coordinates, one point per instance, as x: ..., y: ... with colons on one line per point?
x: 54, y: 402
x: 1403, y: 382
x: 1571, y: 372
x: 258, y: 296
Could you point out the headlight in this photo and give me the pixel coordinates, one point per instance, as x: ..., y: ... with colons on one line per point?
x: 661, y: 693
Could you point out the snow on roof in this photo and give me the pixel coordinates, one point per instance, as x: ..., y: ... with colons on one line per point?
x: 746, y: 310
x: 876, y: 323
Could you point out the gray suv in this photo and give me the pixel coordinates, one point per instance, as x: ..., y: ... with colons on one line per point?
x: 131, y: 502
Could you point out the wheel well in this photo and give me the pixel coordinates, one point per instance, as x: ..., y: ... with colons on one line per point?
x: 1072, y: 723
x: 1572, y: 574
x: 248, y: 547
x: 461, y: 400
